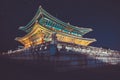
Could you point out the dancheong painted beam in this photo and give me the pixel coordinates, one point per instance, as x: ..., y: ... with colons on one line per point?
x: 43, y: 25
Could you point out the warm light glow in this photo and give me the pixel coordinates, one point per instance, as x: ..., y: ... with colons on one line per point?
x: 73, y: 40
x: 38, y: 35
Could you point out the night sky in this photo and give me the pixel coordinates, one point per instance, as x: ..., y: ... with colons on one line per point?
x: 102, y: 16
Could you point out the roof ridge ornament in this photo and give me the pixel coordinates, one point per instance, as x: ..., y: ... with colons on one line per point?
x: 40, y: 6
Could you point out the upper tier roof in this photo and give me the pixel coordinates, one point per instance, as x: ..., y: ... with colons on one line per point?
x: 42, y: 13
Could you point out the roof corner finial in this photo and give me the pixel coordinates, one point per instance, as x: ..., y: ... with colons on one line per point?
x: 36, y: 21
x: 68, y: 23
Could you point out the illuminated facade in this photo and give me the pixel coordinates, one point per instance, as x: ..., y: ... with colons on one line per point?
x: 43, y: 25
x: 63, y: 40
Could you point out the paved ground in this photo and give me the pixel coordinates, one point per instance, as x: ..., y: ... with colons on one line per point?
x: 18, y: 70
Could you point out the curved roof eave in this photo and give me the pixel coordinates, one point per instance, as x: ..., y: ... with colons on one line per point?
x: 45, y: 13
x: 25, y: 28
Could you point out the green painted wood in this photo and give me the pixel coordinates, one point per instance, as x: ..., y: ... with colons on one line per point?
x: 51, y: 21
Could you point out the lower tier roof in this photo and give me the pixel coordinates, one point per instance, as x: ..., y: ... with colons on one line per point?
x: 40, y: 33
